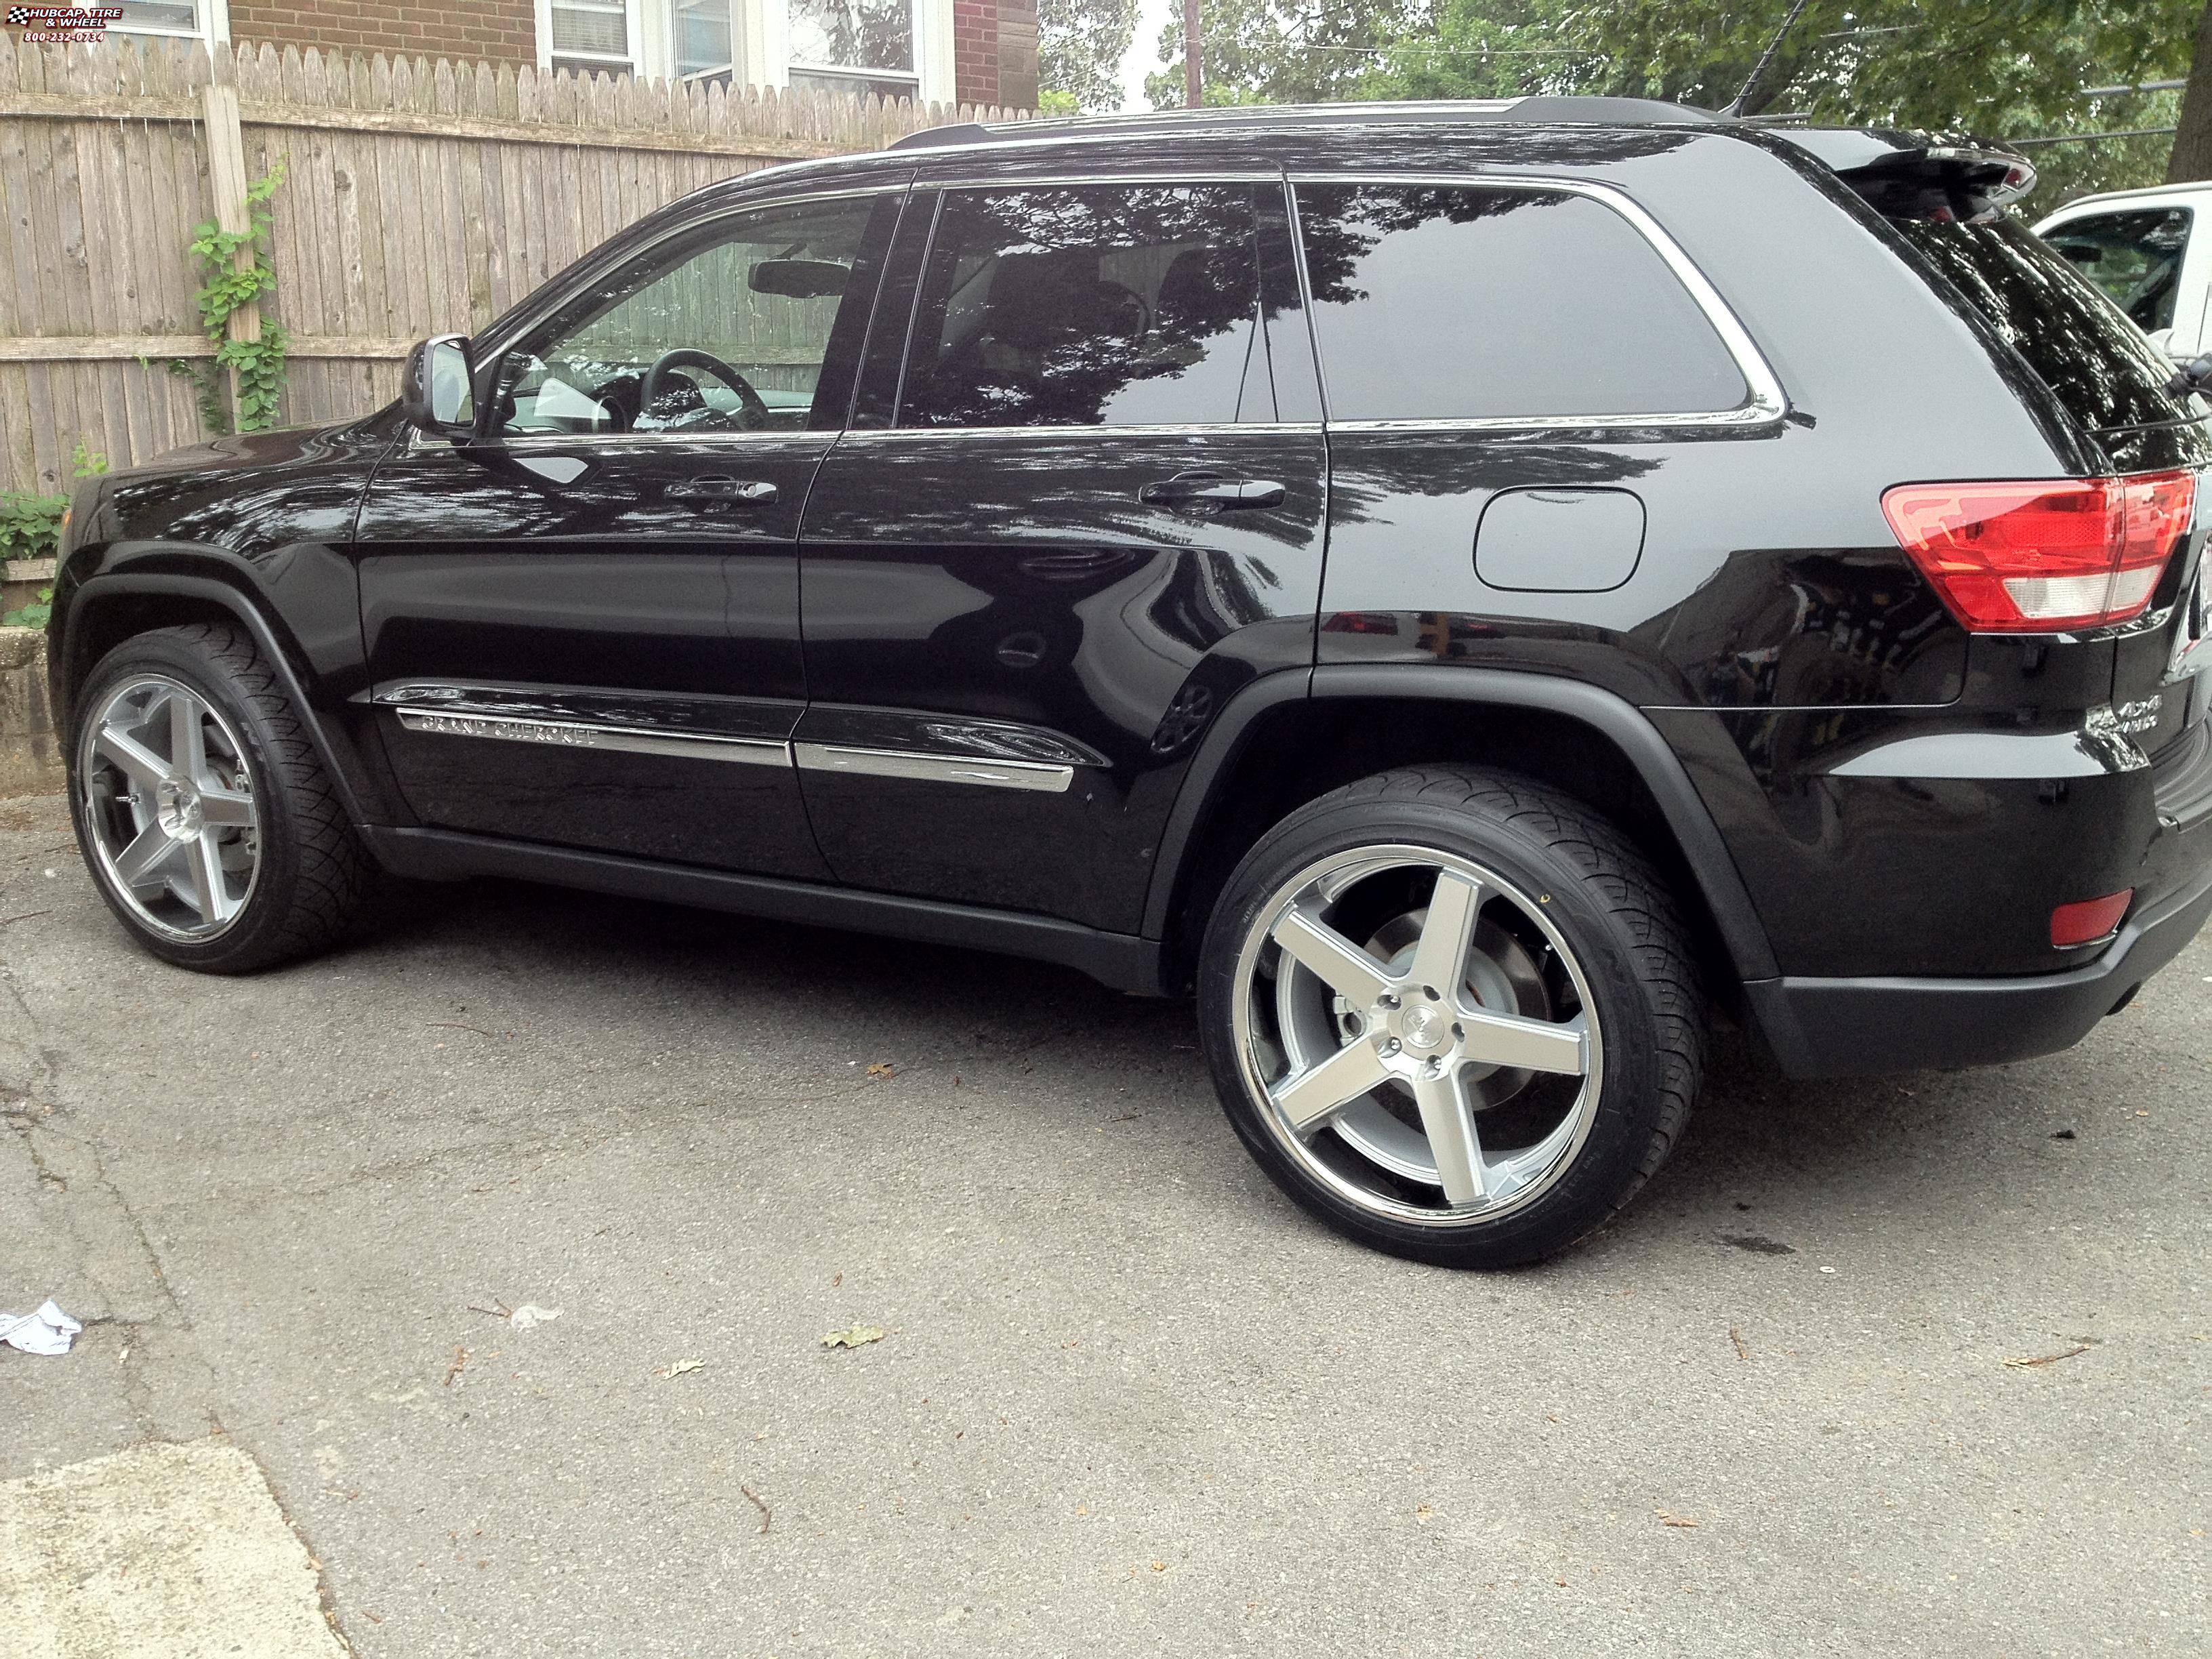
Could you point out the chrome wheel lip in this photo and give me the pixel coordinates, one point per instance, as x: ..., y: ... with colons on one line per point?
x: 176, y: 803
x: 1331, y: 876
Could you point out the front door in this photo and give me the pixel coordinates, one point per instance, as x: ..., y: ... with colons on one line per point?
x: 1089, y: 509
x: 583, y: 626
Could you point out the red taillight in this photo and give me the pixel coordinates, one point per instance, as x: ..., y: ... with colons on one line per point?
x: 2036, y: 557
x: 2089, y: 920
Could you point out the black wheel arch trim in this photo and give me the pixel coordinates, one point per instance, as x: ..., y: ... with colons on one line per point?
x: 349, y: 773
x: 1711, y: 865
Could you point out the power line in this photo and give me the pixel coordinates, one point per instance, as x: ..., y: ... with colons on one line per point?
x: 2147, y: 86
x: 2091, y: 138
x: 1464, y: 52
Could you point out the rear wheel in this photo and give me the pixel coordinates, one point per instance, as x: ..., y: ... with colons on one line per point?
x: 1452, y: 1013
x: 203, y: 809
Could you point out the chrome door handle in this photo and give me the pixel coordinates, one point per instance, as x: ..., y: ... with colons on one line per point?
x: 742, y: 492
x: 1212, y: 492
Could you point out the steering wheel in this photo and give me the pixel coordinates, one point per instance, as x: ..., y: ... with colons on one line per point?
x: 752, y: 412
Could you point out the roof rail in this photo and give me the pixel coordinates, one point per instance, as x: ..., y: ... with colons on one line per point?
x: 1539, y: 110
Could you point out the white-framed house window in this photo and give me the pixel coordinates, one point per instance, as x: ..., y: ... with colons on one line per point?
x: 855, y: 45
x: 192, y: 20
x: 590, y: 37
x: 704, y: 40
x: 895, y: 48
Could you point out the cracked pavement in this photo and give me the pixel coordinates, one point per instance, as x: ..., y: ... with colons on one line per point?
x: 1126, y: 1393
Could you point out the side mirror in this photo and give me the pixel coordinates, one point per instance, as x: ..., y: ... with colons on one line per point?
x: 2195, y: 375
x: 437, y: 387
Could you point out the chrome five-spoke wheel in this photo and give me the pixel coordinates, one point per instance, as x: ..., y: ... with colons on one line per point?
x: 1421, y: 1035
x: 168, y: 807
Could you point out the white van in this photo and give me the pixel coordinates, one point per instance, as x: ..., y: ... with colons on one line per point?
x: 2136, y: 245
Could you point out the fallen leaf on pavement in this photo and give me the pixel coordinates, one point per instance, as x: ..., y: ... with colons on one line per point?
x: 2020, y: 1362
x: 853, y: 1338
x: 682, y: 1366
x: 881, y: 1068
x: 1666, y: 1520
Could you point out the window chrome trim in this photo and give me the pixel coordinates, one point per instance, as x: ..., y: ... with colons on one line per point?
x: 934, y: 768
x: 822, y: 435
x: 576, y: 734
x: 1766, y: 404
x: 419, y: 440
x: 1164, y: 180
x: 1215, y: 429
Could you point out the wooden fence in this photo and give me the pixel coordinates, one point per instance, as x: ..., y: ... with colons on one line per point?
x: 418, y: 198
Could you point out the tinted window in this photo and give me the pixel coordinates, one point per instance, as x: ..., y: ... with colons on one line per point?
x: 1096, y: 306
x: 2102, y: 369
x: 2135, y: 257
x: 1452, y: 303
x: 740, y: 308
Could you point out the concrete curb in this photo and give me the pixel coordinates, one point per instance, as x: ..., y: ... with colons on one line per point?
x: 30, y: 751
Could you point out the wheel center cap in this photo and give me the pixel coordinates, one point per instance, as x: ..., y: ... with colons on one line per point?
x: 1424, y: 1029
x: 176, y: 808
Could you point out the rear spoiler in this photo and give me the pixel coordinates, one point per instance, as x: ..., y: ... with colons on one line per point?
x: 1920, y: 175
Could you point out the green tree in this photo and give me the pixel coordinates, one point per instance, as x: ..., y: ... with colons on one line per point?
x: 1978, y: 65
x: 1079, y: 48
x: 2002, y: 68
x: 1281, y: 51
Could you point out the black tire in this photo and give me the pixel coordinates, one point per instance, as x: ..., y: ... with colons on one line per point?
x: 312, y: 872
x: 1598, y: 894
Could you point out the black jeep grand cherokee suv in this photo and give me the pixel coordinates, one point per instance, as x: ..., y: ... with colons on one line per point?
x: 1468, y: 589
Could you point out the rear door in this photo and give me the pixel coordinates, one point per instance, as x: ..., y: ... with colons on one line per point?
x: 1088, y: 509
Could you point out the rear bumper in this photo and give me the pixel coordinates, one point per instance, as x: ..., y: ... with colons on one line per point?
x: 1867, y: 1027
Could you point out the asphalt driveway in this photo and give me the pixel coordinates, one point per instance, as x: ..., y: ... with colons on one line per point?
x: 1127, y: 1399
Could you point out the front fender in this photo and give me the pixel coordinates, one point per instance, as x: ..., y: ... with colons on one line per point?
x: 79, y: 635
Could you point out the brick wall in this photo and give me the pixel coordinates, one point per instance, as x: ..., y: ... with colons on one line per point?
x: 994, y: 53
x: 499, y: 31
x: 976, y: 51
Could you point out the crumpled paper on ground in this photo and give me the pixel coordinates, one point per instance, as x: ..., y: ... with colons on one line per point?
x: 48, y: 1331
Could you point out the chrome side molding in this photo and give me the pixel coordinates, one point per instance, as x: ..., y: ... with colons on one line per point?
x: 935, y: 768
x: 520, y: 714
x: 745, y: 752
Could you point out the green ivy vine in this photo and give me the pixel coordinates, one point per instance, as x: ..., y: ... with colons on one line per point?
x: 31, y: 528
x: 238, y: 270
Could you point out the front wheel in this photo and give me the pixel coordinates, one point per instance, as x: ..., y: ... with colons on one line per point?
x: 1452, y: 1013
x: 203, y: 808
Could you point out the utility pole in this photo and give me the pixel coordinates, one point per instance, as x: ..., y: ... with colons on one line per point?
x: 1194, y: 79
